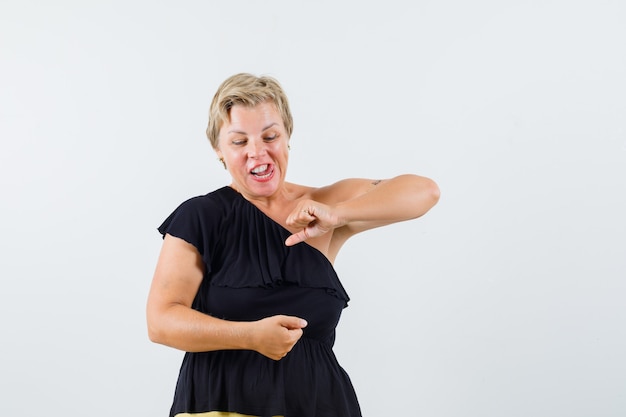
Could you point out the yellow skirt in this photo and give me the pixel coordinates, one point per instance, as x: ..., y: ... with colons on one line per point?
x: 214, y: 414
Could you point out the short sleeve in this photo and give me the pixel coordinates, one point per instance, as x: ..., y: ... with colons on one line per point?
x: 196, y: 221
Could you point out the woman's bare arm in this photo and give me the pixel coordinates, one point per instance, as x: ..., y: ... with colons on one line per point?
x: 355, y: 205
x: 172, y: 321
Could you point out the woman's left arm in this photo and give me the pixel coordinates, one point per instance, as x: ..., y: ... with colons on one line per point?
x: 356, y: 205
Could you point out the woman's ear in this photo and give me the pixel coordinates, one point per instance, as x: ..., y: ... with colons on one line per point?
x: 220, y: 157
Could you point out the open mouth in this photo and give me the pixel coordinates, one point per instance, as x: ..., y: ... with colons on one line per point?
x: 262, y: 171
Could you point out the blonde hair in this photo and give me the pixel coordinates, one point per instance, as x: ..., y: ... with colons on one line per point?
x: 248, y: 90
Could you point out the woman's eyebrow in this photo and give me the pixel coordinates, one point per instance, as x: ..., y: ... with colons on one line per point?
x: 268, y: 126
x: 241, y: 132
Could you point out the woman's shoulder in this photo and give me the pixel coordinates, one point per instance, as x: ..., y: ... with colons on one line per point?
x: 221, y: 198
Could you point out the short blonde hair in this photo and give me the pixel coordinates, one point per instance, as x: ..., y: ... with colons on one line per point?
x: 248, y: 90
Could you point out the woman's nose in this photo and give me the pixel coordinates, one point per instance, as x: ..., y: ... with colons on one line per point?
x: 256, y: 149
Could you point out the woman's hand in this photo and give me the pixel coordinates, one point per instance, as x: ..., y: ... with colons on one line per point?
x: 275, y: 336
x: 315, y: 219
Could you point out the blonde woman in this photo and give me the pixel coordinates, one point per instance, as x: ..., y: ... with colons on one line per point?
x: 245, y: 282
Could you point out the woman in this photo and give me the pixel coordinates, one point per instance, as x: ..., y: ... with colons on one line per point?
x: 245, y: 284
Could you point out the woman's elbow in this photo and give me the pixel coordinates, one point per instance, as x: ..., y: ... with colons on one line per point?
x: 426, y: 196
x: 434, y: 192
x: 153, y: 334
x: 156, y: 333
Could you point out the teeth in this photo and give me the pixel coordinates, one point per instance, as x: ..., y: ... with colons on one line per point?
x: 259, y: 169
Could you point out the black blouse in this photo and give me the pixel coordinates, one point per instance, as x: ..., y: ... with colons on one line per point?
x: 250, y: 274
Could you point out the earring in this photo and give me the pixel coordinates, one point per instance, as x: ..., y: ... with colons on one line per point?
x: 223, y: 162
x: 288, y: 147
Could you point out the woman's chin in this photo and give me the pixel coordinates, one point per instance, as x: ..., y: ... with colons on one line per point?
x: 263, y: 187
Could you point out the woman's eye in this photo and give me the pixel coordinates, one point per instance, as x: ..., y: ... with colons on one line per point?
x: 270, y: 138
x: 239, y: 142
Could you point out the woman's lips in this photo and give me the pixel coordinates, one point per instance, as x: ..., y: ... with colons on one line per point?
x: 262, y: 172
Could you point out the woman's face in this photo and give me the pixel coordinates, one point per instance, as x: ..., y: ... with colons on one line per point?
x: 253, y: 144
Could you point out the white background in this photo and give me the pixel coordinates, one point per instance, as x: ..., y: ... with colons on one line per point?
x: 507, y: 299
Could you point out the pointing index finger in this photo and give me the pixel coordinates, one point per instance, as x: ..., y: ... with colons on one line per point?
x: 295, y: 238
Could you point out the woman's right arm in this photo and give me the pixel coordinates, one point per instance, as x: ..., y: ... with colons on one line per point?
x: 172, y: 321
